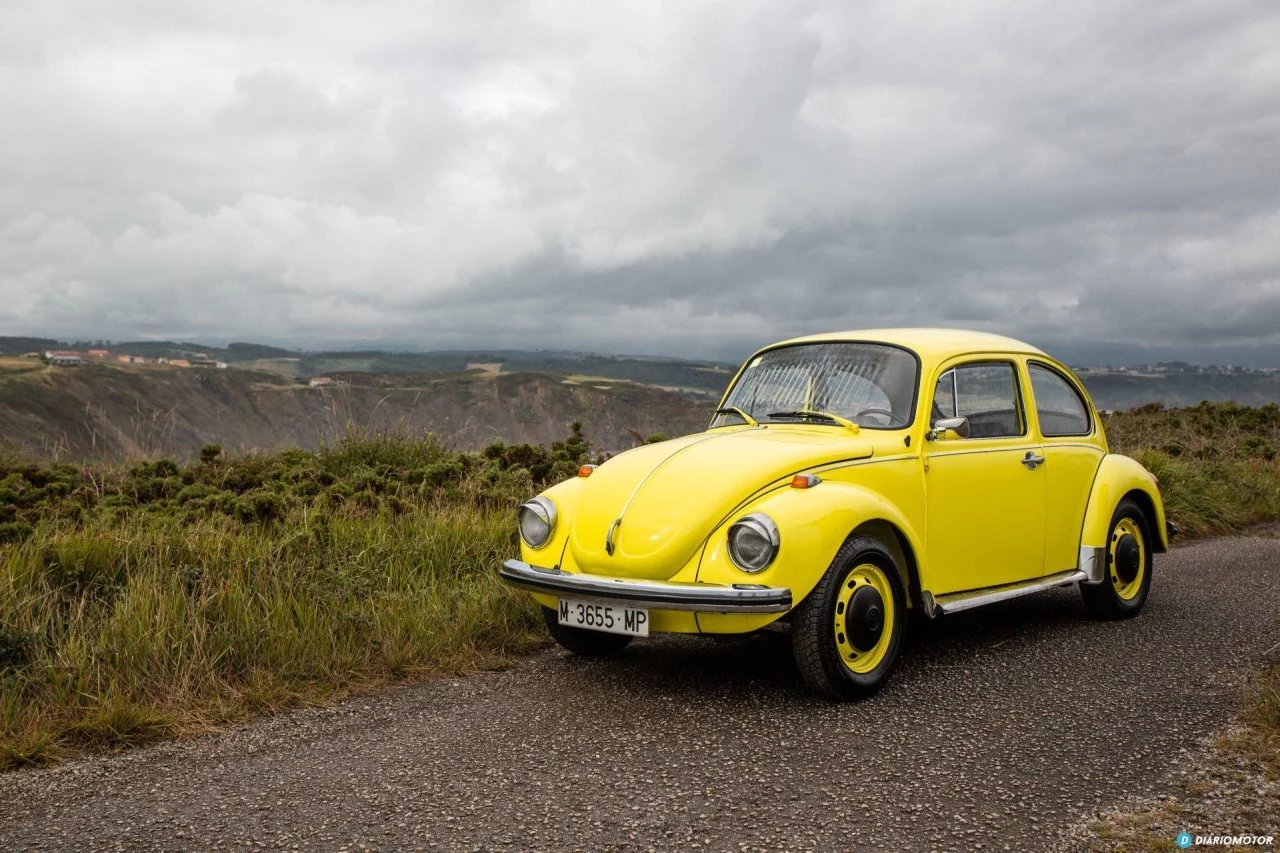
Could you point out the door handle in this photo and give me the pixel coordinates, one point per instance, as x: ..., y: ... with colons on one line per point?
x: 1032, y: 460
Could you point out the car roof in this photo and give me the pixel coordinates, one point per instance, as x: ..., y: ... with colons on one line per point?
x: 929, y: 344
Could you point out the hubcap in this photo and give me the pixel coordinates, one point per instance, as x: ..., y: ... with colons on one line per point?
x: 1127, y: 558
x: 1128, y: 555
x: 864, y: 618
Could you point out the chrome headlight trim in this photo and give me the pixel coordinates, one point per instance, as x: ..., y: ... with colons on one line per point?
x: 761, y: 525
x: 543, y: 509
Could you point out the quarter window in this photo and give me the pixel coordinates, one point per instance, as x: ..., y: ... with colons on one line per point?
x: 986, y: 394
x: 1059, y: 407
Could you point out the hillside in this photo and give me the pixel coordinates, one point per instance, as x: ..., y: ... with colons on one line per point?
x: 109, y: 411
x: 1112, y: 390
x: 1121, y: 391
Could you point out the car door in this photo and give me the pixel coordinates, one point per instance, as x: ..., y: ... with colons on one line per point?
x: 1072, y: 449
x: 985, y: 494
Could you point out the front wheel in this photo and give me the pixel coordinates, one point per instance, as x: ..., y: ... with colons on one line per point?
x: 1124, y: 589
x: 847, y: 633
x: 580, y: 641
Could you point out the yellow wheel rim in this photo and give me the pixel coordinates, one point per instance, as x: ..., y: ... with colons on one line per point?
x: 1127, y: 559
x: 864, y: 618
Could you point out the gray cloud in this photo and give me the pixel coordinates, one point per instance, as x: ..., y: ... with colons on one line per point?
x: 691, y: 178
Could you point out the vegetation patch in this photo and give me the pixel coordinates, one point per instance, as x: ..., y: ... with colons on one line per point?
x: 162, y: 599
x: 1218, y: 463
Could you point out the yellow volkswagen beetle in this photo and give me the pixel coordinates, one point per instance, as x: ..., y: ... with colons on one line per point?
x: 846, y: 481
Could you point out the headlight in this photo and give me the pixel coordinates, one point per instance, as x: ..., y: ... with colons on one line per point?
x: 753, y: 542
x: 537, y: 521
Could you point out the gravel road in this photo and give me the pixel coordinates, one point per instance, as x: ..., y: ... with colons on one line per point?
x: 1001, y: 727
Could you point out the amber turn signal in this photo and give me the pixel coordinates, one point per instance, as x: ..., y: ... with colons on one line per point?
x: 805, y: 481
x: 585, y: 470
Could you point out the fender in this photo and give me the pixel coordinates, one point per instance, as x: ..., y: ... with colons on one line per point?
x: 565, y: 496
x: 814, y: 522
x: 1117, y: 477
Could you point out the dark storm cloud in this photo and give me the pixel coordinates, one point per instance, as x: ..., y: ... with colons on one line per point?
x: 692, y: 178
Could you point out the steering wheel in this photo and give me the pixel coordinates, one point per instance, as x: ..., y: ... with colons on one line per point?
x: 874, y: 410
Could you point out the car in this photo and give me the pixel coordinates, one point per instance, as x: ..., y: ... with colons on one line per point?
x: 850, y: 484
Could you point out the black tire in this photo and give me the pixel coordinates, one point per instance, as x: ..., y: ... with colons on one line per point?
x: 1121, y: 594
x: 815, y: 630
x: 580, y: 641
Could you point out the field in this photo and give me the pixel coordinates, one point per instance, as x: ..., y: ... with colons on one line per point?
x: 159, y: 599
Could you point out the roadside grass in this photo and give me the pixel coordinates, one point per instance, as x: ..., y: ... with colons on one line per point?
x: 1259, y: 741
x: 1218, y: 463
x: 163, y: 599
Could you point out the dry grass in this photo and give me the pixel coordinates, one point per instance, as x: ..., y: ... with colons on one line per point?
x: 1218, y: 464
x: 164, y: 600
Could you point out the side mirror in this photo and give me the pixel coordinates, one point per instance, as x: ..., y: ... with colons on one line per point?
x: 949, y: 428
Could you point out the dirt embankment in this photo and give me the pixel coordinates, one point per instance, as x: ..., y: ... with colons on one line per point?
x: 109, y: 412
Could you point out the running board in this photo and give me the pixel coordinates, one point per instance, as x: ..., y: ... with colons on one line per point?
x: 957, y: 601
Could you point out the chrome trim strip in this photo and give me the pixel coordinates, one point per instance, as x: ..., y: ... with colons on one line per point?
x: 660, y: 595
x: 1093, y: 562
x: 956, y: 602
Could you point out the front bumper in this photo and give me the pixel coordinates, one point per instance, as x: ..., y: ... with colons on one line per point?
x: 660, y: 595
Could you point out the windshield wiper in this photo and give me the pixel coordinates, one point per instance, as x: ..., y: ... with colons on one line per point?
x: 734, y: 410
x: 814, y: 413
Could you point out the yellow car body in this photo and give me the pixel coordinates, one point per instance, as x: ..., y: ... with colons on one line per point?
x: 967, y: 520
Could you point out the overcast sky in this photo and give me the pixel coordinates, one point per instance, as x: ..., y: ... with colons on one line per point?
x: 689, y: 178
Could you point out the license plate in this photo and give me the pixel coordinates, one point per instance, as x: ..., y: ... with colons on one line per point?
x: 609, y: 618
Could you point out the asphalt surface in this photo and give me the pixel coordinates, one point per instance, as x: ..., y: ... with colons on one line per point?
x: 1001, y: 727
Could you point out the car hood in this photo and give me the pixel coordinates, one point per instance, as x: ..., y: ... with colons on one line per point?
x: 669, y: 496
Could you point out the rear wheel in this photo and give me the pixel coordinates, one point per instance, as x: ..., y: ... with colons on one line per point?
x: 580, y: 641
x: 1128, y: 573
x: 847, y: 633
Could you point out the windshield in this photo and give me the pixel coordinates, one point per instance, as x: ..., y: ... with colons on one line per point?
x: 873, y: 385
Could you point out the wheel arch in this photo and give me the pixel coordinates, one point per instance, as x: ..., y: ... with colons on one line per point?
x: 900, y: 548
x: 1118, y: 478
x: 1148, y: 507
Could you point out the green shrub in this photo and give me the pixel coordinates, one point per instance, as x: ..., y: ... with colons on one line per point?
x: 15, y: 531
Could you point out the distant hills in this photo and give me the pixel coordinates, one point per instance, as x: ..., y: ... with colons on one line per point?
x: 125, y: 411
x: 265, y: 399
x: 704, y: 376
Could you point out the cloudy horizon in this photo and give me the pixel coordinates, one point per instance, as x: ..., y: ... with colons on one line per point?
x: 684, y: 179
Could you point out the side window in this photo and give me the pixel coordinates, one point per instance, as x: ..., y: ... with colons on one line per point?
x: 1058, y: 405
x: 987, y: 394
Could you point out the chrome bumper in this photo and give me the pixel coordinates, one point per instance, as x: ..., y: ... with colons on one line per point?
x: 660, y: 595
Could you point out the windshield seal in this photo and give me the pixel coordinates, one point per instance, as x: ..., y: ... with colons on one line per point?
x: 915, y: 385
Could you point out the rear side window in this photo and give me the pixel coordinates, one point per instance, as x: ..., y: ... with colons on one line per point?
x: 1058, y: 405
x: 986, y: 394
